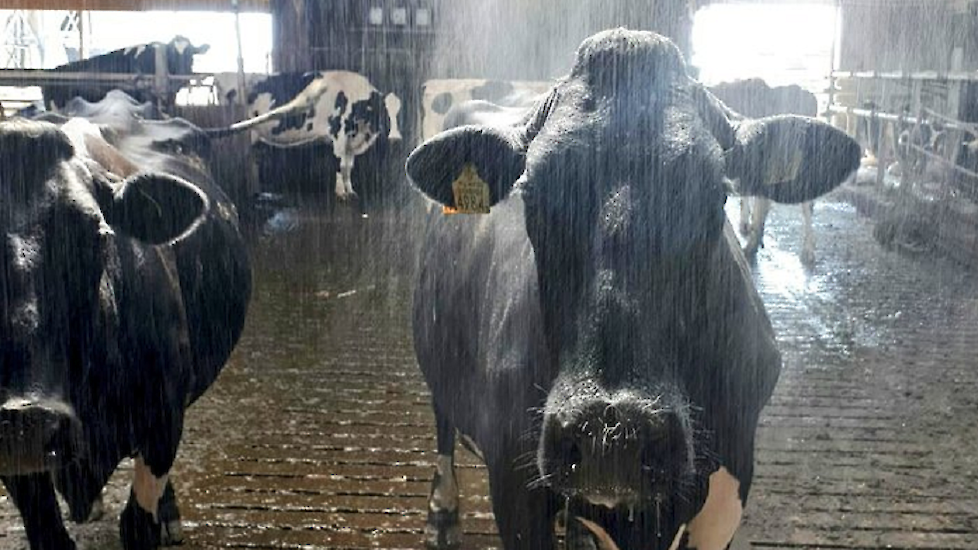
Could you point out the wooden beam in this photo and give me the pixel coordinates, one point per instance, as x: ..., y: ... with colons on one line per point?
x: 261, y: 6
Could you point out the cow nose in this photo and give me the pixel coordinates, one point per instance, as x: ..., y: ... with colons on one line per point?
x: 36, y: 435
x: 620, y: 448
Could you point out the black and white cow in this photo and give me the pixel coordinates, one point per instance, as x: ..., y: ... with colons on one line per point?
x: 137, y: 60
x: 124, y: 284
x: 338, y: 107
x: 754, y: 98
x: 440, y: 95
x: 597, y: 336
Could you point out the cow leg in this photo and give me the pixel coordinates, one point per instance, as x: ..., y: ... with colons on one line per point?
x: 745, y: 215
x: 442, y: 528
x: 144, y: 527
x: 755, y: 237
x: 345, y: 178
x: 171, y: 530
x: 147, y: 521
x: 35, y: 499
x: 525, y: 517
x: 808, y: 243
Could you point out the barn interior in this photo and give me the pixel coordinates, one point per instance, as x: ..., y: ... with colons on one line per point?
x: 319, y: 433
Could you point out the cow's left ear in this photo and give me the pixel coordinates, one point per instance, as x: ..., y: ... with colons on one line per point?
x: 154, y: 208
x: 495, y: 153
x: 790, y: 158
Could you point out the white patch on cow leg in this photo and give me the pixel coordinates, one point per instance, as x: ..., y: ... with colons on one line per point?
x: 755, y: 237
x: 346, y: 172
x: 714, y: 526
x: 745, y: 215
x: 148, y: 488
x: 808, y: 243
x: 444, y: 496
x: 393, y: 104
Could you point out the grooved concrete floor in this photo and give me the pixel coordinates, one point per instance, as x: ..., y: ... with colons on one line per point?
x: 319, y: 435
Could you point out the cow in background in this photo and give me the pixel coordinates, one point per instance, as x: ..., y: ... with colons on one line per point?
x: 754, y: 98
x: 598, y: 336
x: 135, y: 60
x: 125, y: 287
x: 440, y: 95
x: 338, y: 107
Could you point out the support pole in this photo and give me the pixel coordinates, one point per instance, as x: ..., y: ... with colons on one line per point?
x: 242, y: 93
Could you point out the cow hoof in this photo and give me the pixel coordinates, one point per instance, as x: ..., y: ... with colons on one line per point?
x: 171, y: 533
x: 442, y: 531
x: 137, y: 529
x: 171, y: 530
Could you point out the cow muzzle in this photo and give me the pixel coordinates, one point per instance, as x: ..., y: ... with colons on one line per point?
x: 37, y: 435
x: 616, y: 452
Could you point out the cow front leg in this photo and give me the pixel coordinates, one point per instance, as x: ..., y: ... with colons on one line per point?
x: 525, y: 517
x: 755, y: 237
x: 148, y: 519
x: 171, y: 530
x: 442, y: 529
x: 344, y: 182
x: 140, y: 526
x: 35, y: 499
x: 745, y: 215
x: 808, y: 243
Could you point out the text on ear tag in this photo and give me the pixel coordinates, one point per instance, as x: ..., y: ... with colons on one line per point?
x: 471, y: 192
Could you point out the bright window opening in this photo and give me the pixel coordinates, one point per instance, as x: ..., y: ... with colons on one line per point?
x: 782, y: 44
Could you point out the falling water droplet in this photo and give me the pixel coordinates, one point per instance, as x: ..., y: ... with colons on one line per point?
x: 658, y: 518
x: 631, y: 512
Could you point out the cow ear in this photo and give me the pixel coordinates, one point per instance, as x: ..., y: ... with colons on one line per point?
x: 154, y: 208
x: 790, y: 158
x: 496, y: 154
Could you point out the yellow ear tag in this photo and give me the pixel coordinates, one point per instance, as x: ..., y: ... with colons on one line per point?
x: 471, y: 193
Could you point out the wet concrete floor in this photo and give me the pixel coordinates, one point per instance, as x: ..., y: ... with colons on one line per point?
x: 319, y: 433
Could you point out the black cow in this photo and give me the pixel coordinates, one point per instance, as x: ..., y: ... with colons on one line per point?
x: 137, y: 60
x: 124, y: 284
x: 598, y: 336
x: 752, y: 97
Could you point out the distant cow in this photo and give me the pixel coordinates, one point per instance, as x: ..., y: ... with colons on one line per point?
x: 125, y: 284
x: 597, y: 336
x: 338, y: 107
x: 439, y: 96
x: 754, y: 98
x: 136, y: 60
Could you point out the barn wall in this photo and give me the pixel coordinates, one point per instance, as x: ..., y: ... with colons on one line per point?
x: 515, y: 39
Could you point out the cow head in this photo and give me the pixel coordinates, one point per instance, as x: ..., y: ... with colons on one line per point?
x: 63, y: 218
x: 180, y: 54
x: 623, y: 171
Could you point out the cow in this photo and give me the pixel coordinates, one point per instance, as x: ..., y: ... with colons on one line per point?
x: 597, y: 338
x: 440, y: 95
x: 752, y: 97
x: 136, y: 60
x: 124, y: 287
x: 338, y: 107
